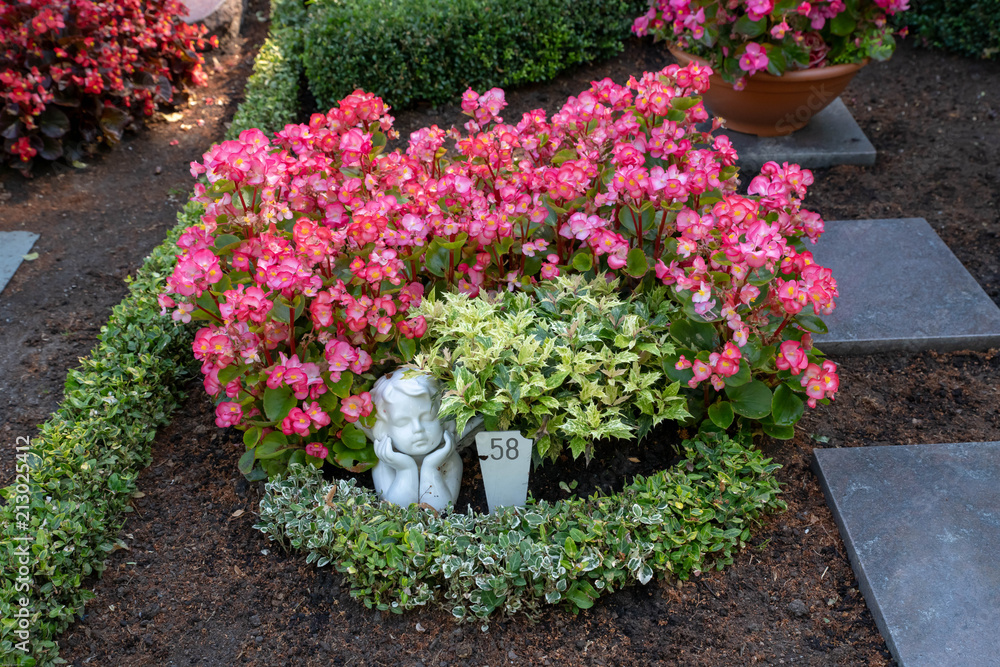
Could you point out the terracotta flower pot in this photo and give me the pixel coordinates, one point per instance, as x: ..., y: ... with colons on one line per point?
x: 772, y: 106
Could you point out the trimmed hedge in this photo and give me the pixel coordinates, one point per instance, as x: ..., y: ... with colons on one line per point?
x: 964, y: 27
x: 570, y: 552
x: 407, y: 51
x: 85, y: 461
x: 272, y: 92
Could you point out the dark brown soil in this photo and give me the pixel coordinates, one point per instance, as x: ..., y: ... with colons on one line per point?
x: 199, y: 586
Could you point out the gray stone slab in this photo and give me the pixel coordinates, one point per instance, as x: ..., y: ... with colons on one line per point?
x: 901, y: 288
x: 832, y: 137
x: 921, y: 524
x: 13, y: 247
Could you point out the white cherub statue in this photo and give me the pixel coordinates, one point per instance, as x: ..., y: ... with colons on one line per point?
x: 417, y: 460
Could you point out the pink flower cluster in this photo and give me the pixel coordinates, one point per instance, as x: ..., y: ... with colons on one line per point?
x: 314, y: 247
x: 819, y: 380
x: 742, y: 37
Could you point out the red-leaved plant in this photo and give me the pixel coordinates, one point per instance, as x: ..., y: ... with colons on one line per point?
x: 77, y: 72
x: 314, y: 249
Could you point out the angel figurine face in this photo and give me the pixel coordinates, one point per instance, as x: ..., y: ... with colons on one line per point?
x: 410, y: 418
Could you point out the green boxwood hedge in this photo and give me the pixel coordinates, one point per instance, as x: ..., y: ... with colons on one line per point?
x: 675, y: 522
x: 969, y: 28
x: 82, y: 466
x: 408, y: 51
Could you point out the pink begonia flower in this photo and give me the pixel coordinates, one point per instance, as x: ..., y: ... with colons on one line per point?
x: 701, y: 370
x: 317, y: 416
x: 228, y: 414
x: 758, y: 9
x: 779, y: 30
x: 317, y: 449
x: 791, y: 357
x: 297, y: 422
x: 165, y: 302
x: 183, y: 312
x: 355, y: 407
x: 754, y: 59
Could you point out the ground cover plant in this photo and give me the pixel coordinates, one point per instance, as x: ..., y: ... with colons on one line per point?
x: 312, y: 254
x: 76, y: 73
x: 741, y: 38
x: 675, y: 522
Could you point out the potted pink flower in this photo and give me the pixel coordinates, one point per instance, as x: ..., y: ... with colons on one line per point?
x: 776, y: 63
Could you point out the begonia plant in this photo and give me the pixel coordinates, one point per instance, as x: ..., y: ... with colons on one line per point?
x: 739, y: 38
x: 74, y: 73
x: 315, y: 248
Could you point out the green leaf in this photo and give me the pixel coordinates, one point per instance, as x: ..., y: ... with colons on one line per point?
x: 786, y: 406
x: 407, y: 347
x: 353, y: 437
x: 583, y: 261
x: 342, y: 387
x: 695, y: 335
x: 277, y: 403
x: 778, y: 432
x: 272, y: 445
x: 751, y: 400
x: 579, y: 598
x: 843, y: 24
x: 252, y: 436
x: 245, y: 463
x: 811, y: 323
x: 751, y: 29
x: 52, y: 122
x: 740, y: 377
x: 226, y: 242
x: 721, y: 414
x: 563, y: 155
x: 230, y: 373
x: 636, y: 264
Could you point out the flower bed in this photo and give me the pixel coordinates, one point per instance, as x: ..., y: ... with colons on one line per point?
x: 312, y: 255
x: 74, y: 73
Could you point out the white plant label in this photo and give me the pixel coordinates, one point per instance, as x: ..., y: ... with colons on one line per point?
x: 504, y: 457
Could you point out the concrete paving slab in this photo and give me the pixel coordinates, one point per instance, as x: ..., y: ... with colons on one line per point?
x: 832, y: 137
x: 901, y: 288
x: 921, y: 524
x: 13, y: 247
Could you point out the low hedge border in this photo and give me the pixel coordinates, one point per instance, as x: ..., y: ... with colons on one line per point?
x: 676, y: 522
x: 408, y: 51
x: 272, y: 93
x: 83, y: 465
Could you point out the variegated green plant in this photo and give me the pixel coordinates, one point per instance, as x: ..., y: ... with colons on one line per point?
x: 567, y: 362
